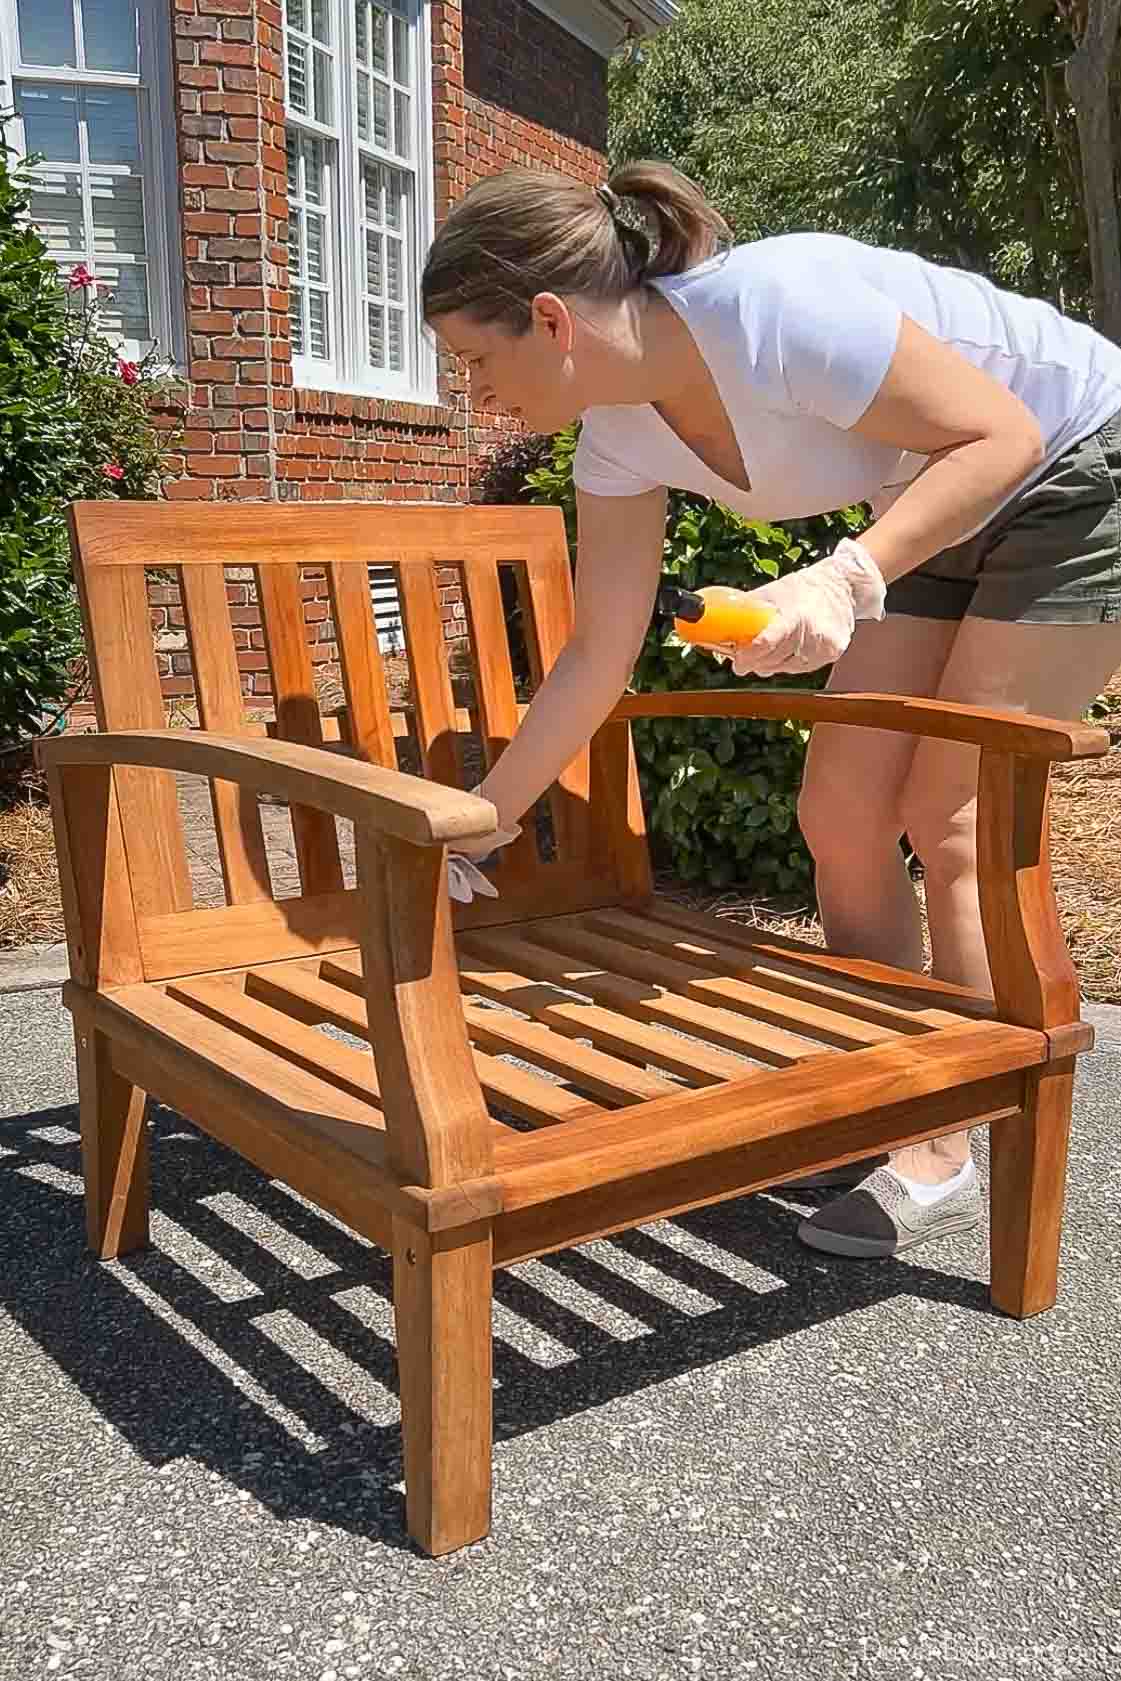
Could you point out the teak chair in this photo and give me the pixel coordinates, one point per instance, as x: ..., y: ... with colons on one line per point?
x: 696, y: 1061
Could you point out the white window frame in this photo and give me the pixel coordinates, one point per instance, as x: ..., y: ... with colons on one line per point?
x: 158, y: 173
x: 346, y: 369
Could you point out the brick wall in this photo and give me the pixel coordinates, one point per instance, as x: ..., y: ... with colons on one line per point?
x: 509, y: 86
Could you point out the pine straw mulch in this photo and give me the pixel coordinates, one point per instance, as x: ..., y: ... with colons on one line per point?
x: 1086, y: 839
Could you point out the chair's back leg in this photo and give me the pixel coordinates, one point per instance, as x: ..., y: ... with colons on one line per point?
x: 442, y: 1293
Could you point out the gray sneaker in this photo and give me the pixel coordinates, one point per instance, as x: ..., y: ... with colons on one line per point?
x: 880, y: 1218
x: 849, y: 1173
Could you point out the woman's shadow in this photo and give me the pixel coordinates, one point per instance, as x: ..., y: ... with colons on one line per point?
x: 239, y: 1370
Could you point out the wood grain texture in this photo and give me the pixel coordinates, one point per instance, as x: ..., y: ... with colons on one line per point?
x: 95, y: 883
x: 114, y: 534
x: 369, y: 727
x: 1027, y: 1194
x: 237, y: 816
x: 442, y: 1309
x: 408, y: 806
x: 439, y: 1129
x: 297, y: 718
x: 538, y: 1167
x: 114, y: 1137
x: 1007, y: 732
x: 127, y: 696
x: 429, y: 675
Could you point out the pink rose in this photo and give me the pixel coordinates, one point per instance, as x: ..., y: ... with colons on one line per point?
x: 112, y: 471
x: 80, y: 276
x: 129, y: 372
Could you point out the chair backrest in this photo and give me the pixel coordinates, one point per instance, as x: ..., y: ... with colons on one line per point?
x: 597, y: 853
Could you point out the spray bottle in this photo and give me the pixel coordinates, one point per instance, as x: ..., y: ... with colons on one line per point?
x: 714, y: 615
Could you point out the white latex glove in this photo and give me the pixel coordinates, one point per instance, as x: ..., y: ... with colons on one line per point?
x: 465, y: 879
x: 816, y: 614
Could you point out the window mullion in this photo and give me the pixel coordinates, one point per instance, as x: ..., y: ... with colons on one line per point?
x: 345, y: 198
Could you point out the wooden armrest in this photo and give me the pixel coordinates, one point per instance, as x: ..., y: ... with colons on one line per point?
x: 1001, y: 731
x: 423, y: 813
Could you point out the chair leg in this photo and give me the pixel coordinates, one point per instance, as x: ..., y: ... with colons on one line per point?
x: 1028, y: 1159
x: 442, y: 1293
x: 114, y: 1149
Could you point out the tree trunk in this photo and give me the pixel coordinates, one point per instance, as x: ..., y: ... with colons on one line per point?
x: 1088, y: 79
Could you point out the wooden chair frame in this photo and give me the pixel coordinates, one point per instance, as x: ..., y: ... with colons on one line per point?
x: 216, y: 1011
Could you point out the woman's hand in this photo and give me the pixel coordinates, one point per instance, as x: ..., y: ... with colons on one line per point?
x: 815, y: 610
x: 465, y: 879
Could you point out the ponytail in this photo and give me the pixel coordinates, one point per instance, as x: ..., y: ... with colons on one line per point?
x: 520, y: 233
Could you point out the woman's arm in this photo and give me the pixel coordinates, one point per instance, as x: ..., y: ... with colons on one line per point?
x: 982, y: 441
x: 621, y: 542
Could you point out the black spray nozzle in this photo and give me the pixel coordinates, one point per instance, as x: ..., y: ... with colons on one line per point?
x: 677, y: 603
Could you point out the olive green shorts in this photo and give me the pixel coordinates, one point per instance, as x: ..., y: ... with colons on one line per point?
x: 1051, y: 556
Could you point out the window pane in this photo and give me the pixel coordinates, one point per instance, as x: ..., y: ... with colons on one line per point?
x: 376, y: 317
x: 50, y: 120
x: 363, y: 107
x: 297, y: 15
x: 296, y: 320
x: 316, y: 248
x: 118, y: 214
x: 46, y: 32
x: 321, y: 21
x: 362, y: 31
x: 395, y: 270
x: 371, y: 186
x: 397, y: 341
x: 109, y: 31
x: 295, y: 246
x: 297, y: 77
x: 381, y: 116
x: 401, y: 70
x: 124, y: 307
x: 319, y: 337
x: 394, y: 200
x: 381, y: 40
x: 324, y: 112
x: 375, y: 264
x: 314, y: 187
x: 403, y: 124
x: 56, y: 210
x: 114, y: 136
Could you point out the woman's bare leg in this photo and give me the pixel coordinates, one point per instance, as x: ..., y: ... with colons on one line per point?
x: 1053, y: 670
x: 852, y: 795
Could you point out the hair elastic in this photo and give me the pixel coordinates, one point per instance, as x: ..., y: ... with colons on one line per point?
x: 610, y: 199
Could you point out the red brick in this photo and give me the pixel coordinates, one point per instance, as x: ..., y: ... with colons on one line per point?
x: 211, y: 321
x: 238, y: 297
x: 218, y: 466
x: 218, y: 372
x: 226, y: 151
x: 225, y: 198
x: 229, y: 104
x: 189, y: 490
x: 222, y: 53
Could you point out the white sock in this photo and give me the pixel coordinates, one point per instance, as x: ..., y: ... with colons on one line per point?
x: 924, y: 1195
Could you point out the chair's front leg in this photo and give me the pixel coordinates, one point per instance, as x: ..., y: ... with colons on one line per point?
x: 1027, y: 1186
x: 114, y: 1147
x: 1035, y: 985
x: 442, y: 1292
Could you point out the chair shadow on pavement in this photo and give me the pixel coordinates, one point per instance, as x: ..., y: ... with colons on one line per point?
x: 186, y: 1366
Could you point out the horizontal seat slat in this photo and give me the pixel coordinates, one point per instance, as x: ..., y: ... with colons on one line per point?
x: 763, y: 1105
x: 936, y: 1003
x: 589, y: 965
x: 650, y: 954
x: 490, y: 964
x: 310, y: 998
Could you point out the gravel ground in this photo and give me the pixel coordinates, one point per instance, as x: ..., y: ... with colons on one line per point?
x: 718, y: 1454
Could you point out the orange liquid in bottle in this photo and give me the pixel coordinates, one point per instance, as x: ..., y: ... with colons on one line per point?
x: 729, y: 616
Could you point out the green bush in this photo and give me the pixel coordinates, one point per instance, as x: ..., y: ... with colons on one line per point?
x: 74, y: 423
x: 720, y: 795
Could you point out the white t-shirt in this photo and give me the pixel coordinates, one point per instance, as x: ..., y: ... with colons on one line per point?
x: 798, y: 332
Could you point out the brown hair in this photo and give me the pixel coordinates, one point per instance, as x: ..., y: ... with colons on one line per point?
x: 519, y: 233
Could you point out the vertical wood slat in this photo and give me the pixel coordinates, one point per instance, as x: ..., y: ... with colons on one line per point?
x: 437, y: 735
x: 549, y: 613
x: 237, y: 815
x: 369, y: 725
x: 297, y: 715
x: 496, y: 699
x: 127, y: 697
